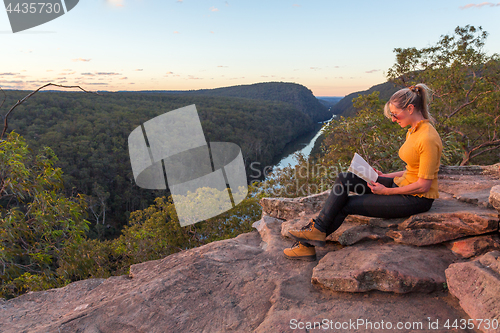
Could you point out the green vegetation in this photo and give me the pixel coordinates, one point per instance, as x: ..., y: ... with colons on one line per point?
x: 43, y: 233
x: 466, y: 85
x: 89, y: 134
x: 38, y: 224
x: 293, y: 94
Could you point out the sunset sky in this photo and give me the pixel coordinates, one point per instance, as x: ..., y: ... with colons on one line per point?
x: 332, y: 47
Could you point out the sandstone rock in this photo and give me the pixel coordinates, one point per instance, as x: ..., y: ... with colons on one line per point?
x: 269, y: 229
x: 493, y: 170
x: 434, y: 228
x: 477, y: 285
x: 474, y: 246
x: 494, y: 197
x: 289, y: 208
x: 361, y: 233
x: 226, y: 286
x: 385, y: 267
x: 471, y: 188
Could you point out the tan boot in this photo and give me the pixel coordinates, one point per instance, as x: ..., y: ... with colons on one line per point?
x: 309, y: 234
x: 300, y: 251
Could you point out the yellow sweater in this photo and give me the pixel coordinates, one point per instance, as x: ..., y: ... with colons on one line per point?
x: 421, y: 152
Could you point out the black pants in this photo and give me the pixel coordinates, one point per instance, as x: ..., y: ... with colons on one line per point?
x: 340, y: 204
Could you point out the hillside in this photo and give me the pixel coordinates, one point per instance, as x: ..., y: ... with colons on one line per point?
x: 295, y: 94
x: 344, y: 107
x: 89, y: 135
x: 329, y: 101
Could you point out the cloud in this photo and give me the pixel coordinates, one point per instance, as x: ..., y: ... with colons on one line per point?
x: 213, y: 9
x: 296, y: 5
x: 90, y: 74
x: 124, y: 78
x: 472, y: 5
x: 179, y: 1
x: 139, y: 70
x: 211, y: 32
x: 117, y: 3
x: 170, y: 73
x: 226, y: 3
x: 108, y: 73
x: 81, y: 59
x: 176, y: 32
x: 373, y: 71
x: 1, y: 74
x: 220, y: 66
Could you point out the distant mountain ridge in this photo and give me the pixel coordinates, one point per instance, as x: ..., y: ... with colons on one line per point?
x: 345, y: 108
x: 295, y: 94
x: 329, y: 101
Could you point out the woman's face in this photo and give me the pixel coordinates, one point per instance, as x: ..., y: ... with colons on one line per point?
x: 401, y: 116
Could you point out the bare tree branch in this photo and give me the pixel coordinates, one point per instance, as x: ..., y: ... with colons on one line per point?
x: 469, y: 102
x: 19, y: 102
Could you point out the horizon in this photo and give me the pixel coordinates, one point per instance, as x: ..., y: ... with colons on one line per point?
x: 139, y: 91
x: 332, y: 48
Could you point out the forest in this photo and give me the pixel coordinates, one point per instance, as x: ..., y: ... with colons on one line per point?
x: 89, y: 132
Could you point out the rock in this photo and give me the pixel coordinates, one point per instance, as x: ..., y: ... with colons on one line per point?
x: 269, y: 229
x: 473, y: 188
x: 289, y: 208
x: 225, y: 286
x: 385, y: 267
x: 434, y: 228
x: 493, y: 170
x: 474, y: 246
x: 494, y: 198
x: 477, y: 286
x: 361, y: 233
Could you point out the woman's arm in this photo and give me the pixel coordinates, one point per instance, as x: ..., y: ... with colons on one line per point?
x: 390, y: 175
x: 422, y: 185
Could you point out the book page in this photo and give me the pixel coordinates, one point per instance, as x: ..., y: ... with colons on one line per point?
x: 362, y: 169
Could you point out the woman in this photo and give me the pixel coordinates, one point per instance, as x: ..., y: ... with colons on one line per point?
x: 393, y: 195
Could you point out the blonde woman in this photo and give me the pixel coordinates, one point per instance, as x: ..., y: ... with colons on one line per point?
x: 393, y: 195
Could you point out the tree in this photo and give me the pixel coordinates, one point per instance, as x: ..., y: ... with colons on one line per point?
x: 466, y: 85
x: 37, y: 222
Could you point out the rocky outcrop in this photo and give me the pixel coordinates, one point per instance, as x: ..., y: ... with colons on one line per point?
x: 432, y: 228
x: 289, y: 208
x: 245, y: 284
x: 474, y: 246
x: 494, y: 198
x: 385, y: 267
x: 477, y: 285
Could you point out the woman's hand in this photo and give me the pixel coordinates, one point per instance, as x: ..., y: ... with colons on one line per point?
x: 379, y: 173
x: 378, y: 188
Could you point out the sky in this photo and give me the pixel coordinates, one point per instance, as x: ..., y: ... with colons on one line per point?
x: 332, y: 47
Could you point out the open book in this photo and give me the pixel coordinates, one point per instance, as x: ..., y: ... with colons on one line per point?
x: 362, y: 169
